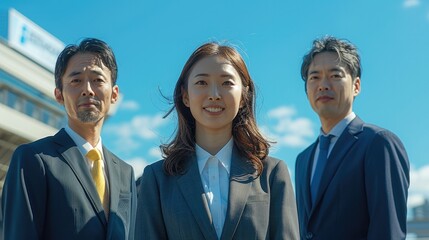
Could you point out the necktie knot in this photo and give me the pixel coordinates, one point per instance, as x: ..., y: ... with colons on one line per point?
x: 324, y: 141
x: 94, y: 155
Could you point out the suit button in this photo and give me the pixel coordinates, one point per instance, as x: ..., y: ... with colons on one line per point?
x: 309, y: 235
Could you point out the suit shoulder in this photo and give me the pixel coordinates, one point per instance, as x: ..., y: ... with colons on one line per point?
x: 376, y: 131
x: 157, y: 166
x: 36, y: 147
x: 272, y: 162
x: 307, y: 150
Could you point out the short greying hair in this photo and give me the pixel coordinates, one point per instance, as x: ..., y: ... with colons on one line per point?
x: 346, y: 51
x: 89, y: 45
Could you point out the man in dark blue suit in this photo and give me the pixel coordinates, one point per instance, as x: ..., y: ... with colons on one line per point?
x: 70, y: 186
x: 356, y: 185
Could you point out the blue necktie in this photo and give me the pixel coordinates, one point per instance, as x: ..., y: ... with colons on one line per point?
x: 320, y: 167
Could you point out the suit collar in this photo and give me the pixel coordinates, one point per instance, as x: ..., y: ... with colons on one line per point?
x: 308, y: 157
x: 242, y: 175
x: 192, y: 190
x: 114, y: 174
x: 241, y: 178
x: 337, y: 156
x: 73, y: 157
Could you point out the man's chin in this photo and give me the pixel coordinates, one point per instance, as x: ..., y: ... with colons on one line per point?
x: 88, y: 117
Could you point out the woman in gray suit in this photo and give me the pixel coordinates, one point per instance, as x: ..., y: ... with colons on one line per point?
x: 217, y: 180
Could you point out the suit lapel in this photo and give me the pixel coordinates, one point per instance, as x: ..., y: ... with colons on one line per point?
x: 337, y: 156
x: 73, y: 157
x: 308, y: 158
x: 241, y: 178
x: 113, y: 175
x: 114, y: 181
x: 193, y: 192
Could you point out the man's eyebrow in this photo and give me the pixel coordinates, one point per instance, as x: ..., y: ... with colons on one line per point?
x: 74, y: 73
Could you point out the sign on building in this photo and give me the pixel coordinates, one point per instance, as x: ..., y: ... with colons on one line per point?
x: 32, y: 40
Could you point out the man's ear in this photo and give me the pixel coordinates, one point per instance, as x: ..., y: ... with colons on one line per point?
x: 356, y: 87
x: 115, y: 94
x: 59, y: 96
x: 185, y: 97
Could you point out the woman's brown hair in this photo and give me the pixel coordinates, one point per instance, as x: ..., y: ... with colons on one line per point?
x: 247, y: 138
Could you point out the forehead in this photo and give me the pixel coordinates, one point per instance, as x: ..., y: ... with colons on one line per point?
x: 81, y: 62
x: 213, y: 65
x: 325, y: 60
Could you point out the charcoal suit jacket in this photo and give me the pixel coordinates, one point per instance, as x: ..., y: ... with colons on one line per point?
x: 49, y: 194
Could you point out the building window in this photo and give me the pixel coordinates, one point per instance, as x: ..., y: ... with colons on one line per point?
x: 3, y: 93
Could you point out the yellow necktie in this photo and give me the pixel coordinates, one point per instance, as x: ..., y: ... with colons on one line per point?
x: 97, y: 172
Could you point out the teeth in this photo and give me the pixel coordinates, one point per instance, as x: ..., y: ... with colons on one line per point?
x: 214, y: 109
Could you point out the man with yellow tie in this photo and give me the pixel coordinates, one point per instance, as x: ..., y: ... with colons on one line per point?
x: 69, y: 186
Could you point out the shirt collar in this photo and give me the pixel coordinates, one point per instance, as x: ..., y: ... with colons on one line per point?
x: 83, y: 146
x: 224, y: 156
x: 338, y: 129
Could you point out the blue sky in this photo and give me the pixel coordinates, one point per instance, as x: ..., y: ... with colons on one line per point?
x: 153, y: 39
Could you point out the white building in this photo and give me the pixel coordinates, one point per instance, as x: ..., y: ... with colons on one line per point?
x: 28, y: 110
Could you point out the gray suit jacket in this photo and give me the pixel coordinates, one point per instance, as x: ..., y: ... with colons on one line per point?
x: 174, y: 207
x: 49, y: 194
x: 363, y: 191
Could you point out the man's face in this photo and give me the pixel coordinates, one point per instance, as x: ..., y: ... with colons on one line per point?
x: 330, y: 87
x: 87, y: 90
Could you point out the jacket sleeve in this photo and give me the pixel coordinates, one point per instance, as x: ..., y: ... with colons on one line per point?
x: 150, y: 221
x: 133, y: 206
x: 387, y: 182
x: 283, y: 223
x: 24, y: 196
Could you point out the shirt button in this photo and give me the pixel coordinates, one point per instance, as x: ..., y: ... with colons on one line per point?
x: 309, y: 235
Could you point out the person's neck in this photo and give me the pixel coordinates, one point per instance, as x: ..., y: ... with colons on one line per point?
x: 88, y: 131
x: 329, y: 123
x: 212, y: 142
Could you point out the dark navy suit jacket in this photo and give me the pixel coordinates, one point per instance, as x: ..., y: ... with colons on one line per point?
x: 49, y: 194
x: 363, y: 191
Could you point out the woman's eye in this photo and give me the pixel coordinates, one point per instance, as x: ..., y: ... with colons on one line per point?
x: 200, y: 82
x: 228, y: 83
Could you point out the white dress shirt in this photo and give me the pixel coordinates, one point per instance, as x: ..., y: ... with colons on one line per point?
x: 84, y: 147
x: 214, y: 173
x: 336, y: 133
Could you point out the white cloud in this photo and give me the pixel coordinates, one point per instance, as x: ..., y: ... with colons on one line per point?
x: 411, y: 3
x: 138, y: 165
x: 129, y: 105
x: 141, y: 127
x: 146, y: 126
x: 287, y: 129
x: 419, y: 187
x: 155, y: 152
